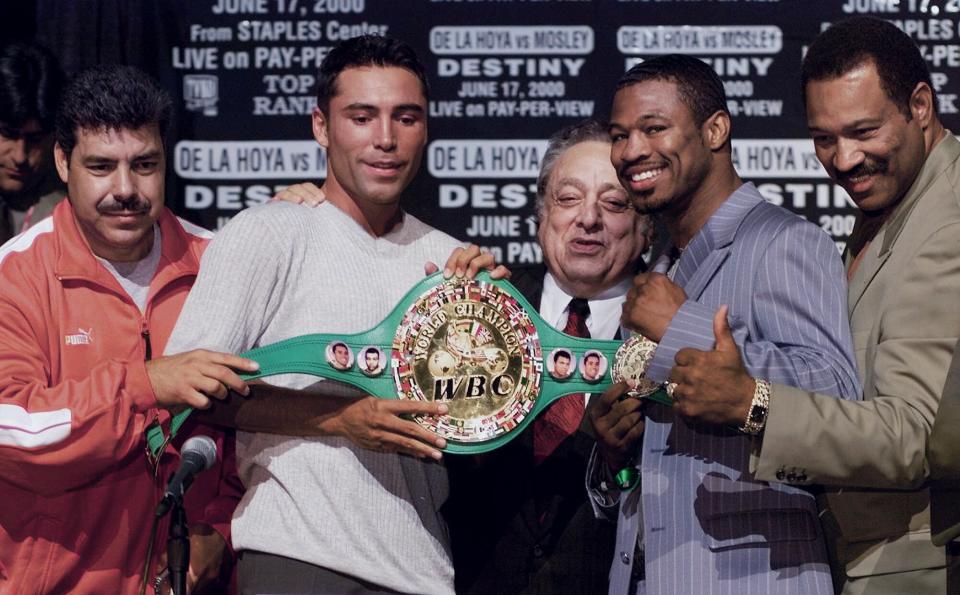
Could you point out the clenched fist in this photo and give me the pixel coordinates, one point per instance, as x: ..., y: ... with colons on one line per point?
x: 651, y: 304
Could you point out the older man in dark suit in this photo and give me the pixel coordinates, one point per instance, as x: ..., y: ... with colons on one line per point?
x: 519, y: 516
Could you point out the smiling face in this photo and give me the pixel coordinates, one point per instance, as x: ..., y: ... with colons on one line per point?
x: 591, y: 366
x: 659, y: 152
x: 114, y: 182
x: 341, y: 355
x: 866, y: 144
x: 591, y: 237
x: 374, y: 134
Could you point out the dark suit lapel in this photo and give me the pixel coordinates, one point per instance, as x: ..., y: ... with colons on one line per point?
x: 529, y: 280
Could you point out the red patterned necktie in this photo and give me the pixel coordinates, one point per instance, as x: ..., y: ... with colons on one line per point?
x: 563, y: 417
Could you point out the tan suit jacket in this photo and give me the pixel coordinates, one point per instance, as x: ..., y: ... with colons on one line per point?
x: 905, y: 321
x: 944, y: 460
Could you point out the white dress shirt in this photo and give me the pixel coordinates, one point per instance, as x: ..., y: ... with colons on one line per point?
x: 605, y: 308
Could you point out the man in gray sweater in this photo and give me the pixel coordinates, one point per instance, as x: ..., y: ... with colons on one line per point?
x: 340, y: 507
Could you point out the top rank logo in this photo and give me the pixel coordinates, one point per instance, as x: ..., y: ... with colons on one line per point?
x: 82, y: 337
x: 201, y: 93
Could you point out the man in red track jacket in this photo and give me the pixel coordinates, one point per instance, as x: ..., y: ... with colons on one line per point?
x: 86, y: 297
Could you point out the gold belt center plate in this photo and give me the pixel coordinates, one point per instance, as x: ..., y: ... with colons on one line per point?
x: 471, y: 345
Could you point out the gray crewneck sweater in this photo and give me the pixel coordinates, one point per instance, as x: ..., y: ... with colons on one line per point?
x: 281, y: 270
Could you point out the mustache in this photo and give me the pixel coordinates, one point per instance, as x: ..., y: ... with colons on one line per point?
x: 133, y: 204
x: 867, y: 168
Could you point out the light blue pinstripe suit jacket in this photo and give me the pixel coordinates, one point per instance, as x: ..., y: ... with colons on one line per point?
x: 707, y: 526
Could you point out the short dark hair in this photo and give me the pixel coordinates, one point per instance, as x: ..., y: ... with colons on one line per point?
x: 699, y: 86
x: 561, y: 353
x: 31, y: 84
x: 366, y: 50
x: 111, y: 97
x: 590, y: 129
x: 593, y: 355
x: 372, y: 350
x: 852, y: 42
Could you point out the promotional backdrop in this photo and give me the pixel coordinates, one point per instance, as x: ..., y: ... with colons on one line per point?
x: 504, y: 75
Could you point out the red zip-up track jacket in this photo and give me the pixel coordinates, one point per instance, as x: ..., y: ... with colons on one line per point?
x: 76, y: 492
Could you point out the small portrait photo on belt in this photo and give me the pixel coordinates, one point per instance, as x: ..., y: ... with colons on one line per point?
x: 561, y: 363
x: 372, y: 360
x: 339, y: 355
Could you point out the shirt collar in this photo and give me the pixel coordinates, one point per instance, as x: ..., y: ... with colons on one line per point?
x: 605, y: 308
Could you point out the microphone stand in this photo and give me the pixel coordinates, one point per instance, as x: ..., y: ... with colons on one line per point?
x: 178, y: 549
x: 198, y: 453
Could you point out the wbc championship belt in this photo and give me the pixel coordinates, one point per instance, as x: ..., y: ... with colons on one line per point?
x: 476, y: 345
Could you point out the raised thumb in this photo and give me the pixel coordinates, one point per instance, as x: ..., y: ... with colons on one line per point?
x: 721, y: 331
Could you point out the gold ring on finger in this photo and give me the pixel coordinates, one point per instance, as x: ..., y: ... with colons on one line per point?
x: 671, y: 386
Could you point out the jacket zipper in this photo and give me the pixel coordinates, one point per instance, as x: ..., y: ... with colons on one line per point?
x: 147, y: 348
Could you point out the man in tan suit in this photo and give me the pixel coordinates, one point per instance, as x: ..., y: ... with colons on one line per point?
x: 871, y: 111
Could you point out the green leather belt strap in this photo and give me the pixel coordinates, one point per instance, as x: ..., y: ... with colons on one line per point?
x: 308, y: 354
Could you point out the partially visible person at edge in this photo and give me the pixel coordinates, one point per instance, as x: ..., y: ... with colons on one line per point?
x: 872, y: 113
x: 86, y: 297
x: 944, y: 457
x: 30, y: 87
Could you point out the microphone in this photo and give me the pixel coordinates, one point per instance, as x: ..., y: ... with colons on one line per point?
x: 199, y: 453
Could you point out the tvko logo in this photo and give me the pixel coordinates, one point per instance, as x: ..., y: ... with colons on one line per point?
x: 201, y: 93
x: 81, y: 337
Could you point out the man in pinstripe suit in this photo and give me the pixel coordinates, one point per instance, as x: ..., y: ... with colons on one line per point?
x: 698, y: 522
